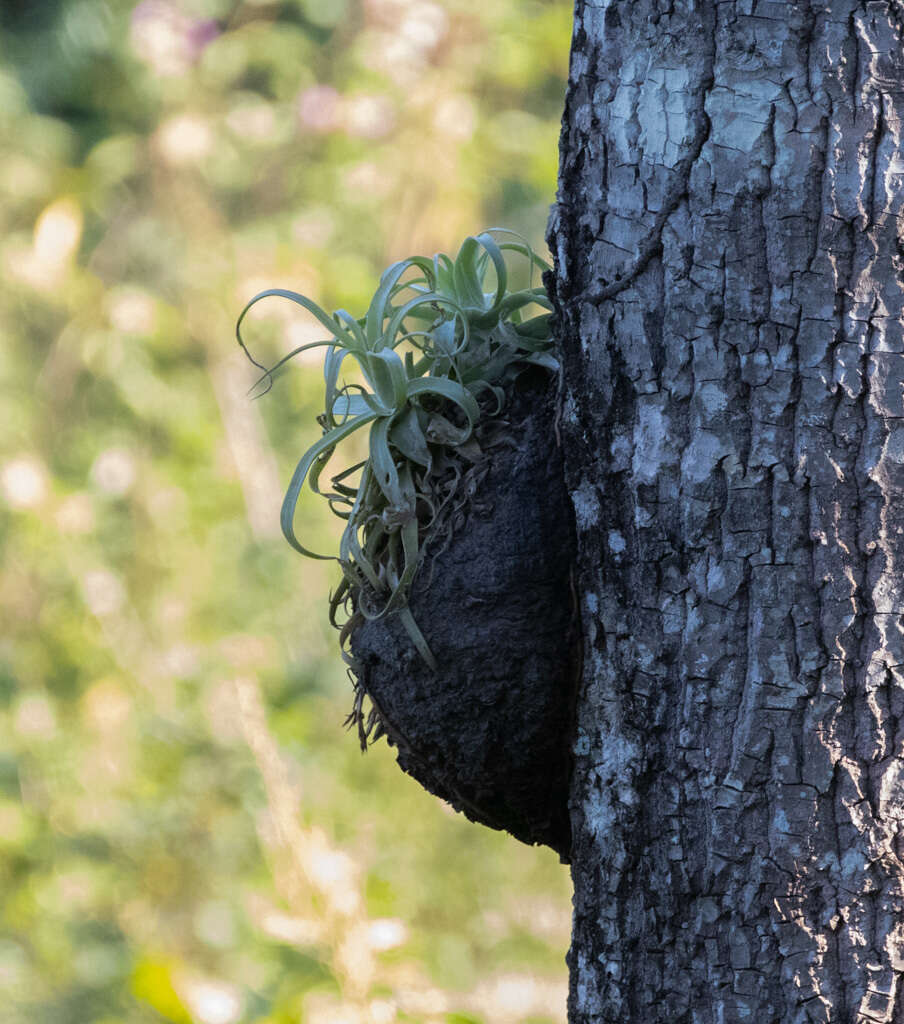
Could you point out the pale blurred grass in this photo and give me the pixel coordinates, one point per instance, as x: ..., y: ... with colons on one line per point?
x: 186, y: 833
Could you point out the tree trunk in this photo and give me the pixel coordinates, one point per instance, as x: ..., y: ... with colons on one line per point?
x: 729, y: 281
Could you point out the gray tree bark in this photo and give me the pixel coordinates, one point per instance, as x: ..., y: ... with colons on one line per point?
x: 729, y: 282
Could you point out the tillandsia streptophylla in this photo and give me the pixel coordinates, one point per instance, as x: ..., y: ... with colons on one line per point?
x: 438, y: 347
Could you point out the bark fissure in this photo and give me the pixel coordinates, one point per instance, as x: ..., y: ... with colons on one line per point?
x: 677, y: 190
x: 731, y: 416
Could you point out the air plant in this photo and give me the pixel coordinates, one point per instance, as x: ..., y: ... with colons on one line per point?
x: 437, y: 350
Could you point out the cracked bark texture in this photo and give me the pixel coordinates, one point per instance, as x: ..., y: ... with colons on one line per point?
x: 729, y: 280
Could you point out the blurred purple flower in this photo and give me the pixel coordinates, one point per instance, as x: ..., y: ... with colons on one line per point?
x: 202, y: 33
x: 168, y: 40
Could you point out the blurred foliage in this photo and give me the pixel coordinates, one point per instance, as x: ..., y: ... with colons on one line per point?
x: 186, y: 834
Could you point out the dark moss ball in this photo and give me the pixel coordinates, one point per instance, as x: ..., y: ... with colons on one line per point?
x: 490, y: 730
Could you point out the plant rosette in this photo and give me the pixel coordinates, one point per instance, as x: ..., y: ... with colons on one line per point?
x: 441, y: 354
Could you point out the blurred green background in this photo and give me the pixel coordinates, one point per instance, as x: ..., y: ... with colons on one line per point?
x: 186, y: 832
